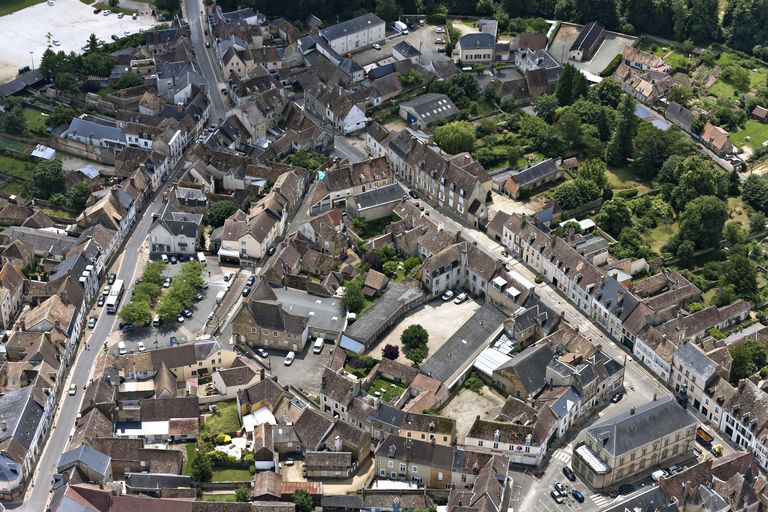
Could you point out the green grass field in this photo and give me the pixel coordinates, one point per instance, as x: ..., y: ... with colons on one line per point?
x: 721, y: 89
x: 11, y: 6
x: 35, y: 120
x: 230, y: 498
x: 659, y: 236
x: 230, y: 475
x: 15, y: 167
x: 191, y: 451
x: 623, y: 178
x: 225, y: 421
x: 391, y: 390
x: 755, y: 130
x: 13, y: 187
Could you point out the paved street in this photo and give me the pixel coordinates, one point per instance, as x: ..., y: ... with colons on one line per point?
x: 348, y: 149
x: 205, y: 59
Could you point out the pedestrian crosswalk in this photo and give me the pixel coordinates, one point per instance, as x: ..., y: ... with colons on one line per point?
x: 563, y: 455
x: 600, y: 500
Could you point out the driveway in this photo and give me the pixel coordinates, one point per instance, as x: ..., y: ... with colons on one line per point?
x: 440, y: 319
x: 306, y: 371
x: 610, y: 47
x: 465, y: 406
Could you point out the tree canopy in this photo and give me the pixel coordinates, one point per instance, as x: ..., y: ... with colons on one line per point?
x: 748, y: 358
x: 702, y: 222
x: 455, y: 137
x: 219, y: 211
x: 47, y: 179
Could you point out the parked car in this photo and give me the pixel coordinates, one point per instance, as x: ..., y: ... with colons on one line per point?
x: 105, y: 291
x: 127, y: 328
x: 557, y: 497
x: 439, y: 30
x: 413, y: 194
x: 569, y: 474
x: 174, y: 341
x: 141, y: 347
x: 174, y: 260
x: 376, y: 46
x: 447, y: 296
x: 111, y: 278
x: 199, y: 297
x: 560, y: 488
x: 460, y: 298
x: 120, y: 15
x: 92, y: 322
x: 271, y: 251
x: 187, y: 313
x: 577, y: 495
x: 96, y: 11
x: 289, y: 358
x: 616, y: 398
x: 441, y: 49
x: 180, y: 319
x: 101, y: 300
x: 674, y: 468
x: 167, y: 282
x: 72, y: 389
x: 114, y: 37
x: 56, y: 42
x: 107, y: 12
x: 246, y: 291
x: 626, y: 488
x: 439, y: 41
x: 250, y: 281
x: 262, y: 352
x: 207, y: 44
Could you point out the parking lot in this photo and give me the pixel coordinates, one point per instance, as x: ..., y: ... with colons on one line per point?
x: 440, y: 319
x: 192, y: 327
x: 23, y: 33
x: 423, y: 39
x: 306, y: 370
x: 612, y: 45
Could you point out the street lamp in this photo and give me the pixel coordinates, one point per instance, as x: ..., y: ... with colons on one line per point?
x: 32, y: 56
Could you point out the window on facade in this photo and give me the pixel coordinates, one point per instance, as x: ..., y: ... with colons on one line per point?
x: 402, y: 467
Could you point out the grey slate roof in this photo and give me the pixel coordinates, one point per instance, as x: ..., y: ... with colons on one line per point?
x: 456, y: 351
x: 589, y: 34
x: 406, y: 49
x: 178, y: 222
x: 696, y: 359
x: 94, y: 459
x: 21, y: 82
x: 379, y: 196
x: 480, y: 40
x: 157, y: 481
x: 432, y: 106
x: 89, y: 129
x: 390, y: 415
x: 349, y: 27
x: 535, y: 172
x: 529, y: 365
x: 626, y: 432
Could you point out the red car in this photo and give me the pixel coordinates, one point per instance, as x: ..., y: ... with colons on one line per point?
x: 96, y: 11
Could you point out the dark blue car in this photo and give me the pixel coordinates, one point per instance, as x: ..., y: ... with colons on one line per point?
x: 577, y: 496
x: 569, y: 474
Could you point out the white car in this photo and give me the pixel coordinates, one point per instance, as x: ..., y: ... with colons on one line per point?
x: 376, y: 46
x: 120, y: 15
x: 440, y: 30
x: 460, y: 298
x: 439, y: 41
x: 127, y: 32
x: 289, y: 358
x: 56, y: 42
x: 180, y: 319
x: 447, y: 296
x: 50, y: 3
x: 72, y: 389
x: 141, y: 347
x: 107, y: 12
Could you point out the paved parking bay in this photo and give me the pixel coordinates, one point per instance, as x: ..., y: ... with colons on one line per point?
x: 423, y: 39
x: 306, y: 370
x: 23, y: 33
x: 612, y: 45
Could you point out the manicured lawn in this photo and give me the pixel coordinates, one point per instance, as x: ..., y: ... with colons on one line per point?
x: 230, y: 475
x: 391, y: 390
x: 191, y: 452
x: 13, y: 187
x: 659, y: 236
x: 16, y: 167
x: 722, y: 90
x: 35, y: 120
x: 12, y: 145
x: 623, y: 178
x: 224, y: 421
x: 755, y: 130
x: 11, y: 6
x: 218, y: 497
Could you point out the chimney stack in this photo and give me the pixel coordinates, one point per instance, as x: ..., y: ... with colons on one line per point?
x: 337, y: 443
x: 261, y: 375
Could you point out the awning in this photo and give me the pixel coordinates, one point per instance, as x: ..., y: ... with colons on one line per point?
x: 229, y: 254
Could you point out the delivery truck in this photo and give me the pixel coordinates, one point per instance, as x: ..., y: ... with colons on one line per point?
x: 400, y: 27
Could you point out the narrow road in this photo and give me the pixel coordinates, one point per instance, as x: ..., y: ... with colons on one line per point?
x: 64, y: 417
x: 347, y: 150
x: 207, y: 64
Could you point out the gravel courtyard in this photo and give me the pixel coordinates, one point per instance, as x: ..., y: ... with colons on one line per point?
x: 68, y: 21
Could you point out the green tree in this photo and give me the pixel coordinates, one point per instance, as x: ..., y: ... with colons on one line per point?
x: 169, y: 306
x: 756, y: 222
x: 607, y: 93
x: 594, y: 170
x: 202, y: 469
x: 698, y: 176
x: 243, y: 493
x: 136, y: 313
x: 61, y: 115
x: 680, y: 94
x: 545, y: 107
x: 414, y: 336
x: 416, y: 355
x: 455, y: 137
x: 685, y: 251
x: 748, y: 357
x: 702, y: 222
x: 66, y: 82
x: 219, y: 211
x: 741, y: 272
x: 571, y: 86
x: 47, y: 179
x: 13, y: 119
x: 191, y: 273
x: 755, y: 192
x: 303, y: 501
x: 145, y: 291
x: 387, y: 10
x: 92, y: 43
x: 96, y: 63
x: 390, y: 352
x: 390, y: 268
x: 734, y: 234
x: 78, y: 195
x: 575, y: 193
x: 353, y: 299
x: 153, y: 273
x: 129, y: 79
x: 621, y: 145
x: 614, y: 216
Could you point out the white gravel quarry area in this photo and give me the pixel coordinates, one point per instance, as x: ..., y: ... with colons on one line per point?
x: 70, y: 22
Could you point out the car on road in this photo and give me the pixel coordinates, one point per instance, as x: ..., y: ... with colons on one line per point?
x: 141, y: 347
x: 56, y: 42
x: 447, y: 296
x: 376, y: 46
x: 174, y: 260
x: 460, y: 298
x: 126, y: 32
x: 92, y: 322
x: 187, y: 313
x: 72, y: 389
x: 115, y: 38
x: 616, y: 398
x: 557, y: 497
x: 246, y: 291
x: 439, y: 30
x: 250, y: 281
x: 271, y: 251
x: 577, y: 495
x: 120, y: 15
x: 174, y: 341
x: 658, y: 474
x: 107, y: 12
x: 97, y: 11
x: 105, y: 291
x: 207, y: 44
x: 262, y: 353
x: 135, y: 16
x: 101, y: 300
x: 439, y: 41
x: 199, y: 297
x: 441, y: 49
x: 50, y: 2
x: 413, y: 194
x: 289, y: 358
x: 111, y: 278
x: 127, y: 328
x: 180, y: 319
x: 560, y: 488
x: 569, y: 474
